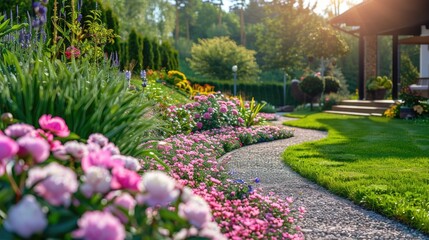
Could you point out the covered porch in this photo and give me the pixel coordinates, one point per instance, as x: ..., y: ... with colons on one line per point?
x: 406, y: 21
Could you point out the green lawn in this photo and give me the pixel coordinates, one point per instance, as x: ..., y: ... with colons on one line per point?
x: 378, y: 163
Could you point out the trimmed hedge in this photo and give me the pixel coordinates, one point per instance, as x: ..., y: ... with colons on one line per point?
x: 271, y: 92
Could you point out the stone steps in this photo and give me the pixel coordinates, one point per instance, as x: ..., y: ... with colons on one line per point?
x: 361, y: 107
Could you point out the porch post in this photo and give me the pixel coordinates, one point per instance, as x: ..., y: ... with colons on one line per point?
x: 395, y: 66
x: 361, y: 80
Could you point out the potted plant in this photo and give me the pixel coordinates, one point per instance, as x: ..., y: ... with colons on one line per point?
x: 377, y: 87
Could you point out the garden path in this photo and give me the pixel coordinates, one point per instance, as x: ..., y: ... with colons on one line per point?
x: 328, y: 216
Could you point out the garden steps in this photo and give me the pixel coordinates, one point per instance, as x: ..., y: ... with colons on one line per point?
x: 362, y: 107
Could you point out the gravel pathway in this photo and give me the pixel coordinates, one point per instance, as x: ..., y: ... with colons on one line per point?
x: 328, y: 216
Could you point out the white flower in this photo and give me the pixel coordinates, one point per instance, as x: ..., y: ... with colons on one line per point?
x: 76, y: 149
x: 130, y: 163
x: 26, y: 217
x: 159, y: 188
x: 97, y: 180
x: 197, y: 211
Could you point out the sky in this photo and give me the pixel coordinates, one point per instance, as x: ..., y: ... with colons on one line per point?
x: 321, y: 5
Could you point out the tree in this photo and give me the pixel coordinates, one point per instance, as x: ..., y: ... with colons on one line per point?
x: 134, y: 51
x: 148, y: 55
x: 215, y: 57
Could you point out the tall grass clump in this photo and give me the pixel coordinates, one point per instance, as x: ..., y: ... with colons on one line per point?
x: 91, y: 98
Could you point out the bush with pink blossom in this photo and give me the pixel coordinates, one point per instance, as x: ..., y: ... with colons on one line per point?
x: 87, y: 190
x: 207, y: 112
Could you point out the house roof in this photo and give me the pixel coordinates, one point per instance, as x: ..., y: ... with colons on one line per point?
x: 386, y: 17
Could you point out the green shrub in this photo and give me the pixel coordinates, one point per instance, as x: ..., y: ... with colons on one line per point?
x: 312, y: 86
x: 90, y: 99
x: 332, y: 85
x: 268, y: 108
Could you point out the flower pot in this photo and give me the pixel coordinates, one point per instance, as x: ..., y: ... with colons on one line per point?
x: 406, y: 113
x: 378, y: 94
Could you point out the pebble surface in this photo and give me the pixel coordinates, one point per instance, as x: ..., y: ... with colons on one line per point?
x: 328, y: 216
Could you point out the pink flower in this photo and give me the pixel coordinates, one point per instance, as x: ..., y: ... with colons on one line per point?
x: 76, y: 149
x: 129, y: 162
x: 240, y: 120
x: 8, y: 147
x: 18, y: 130
x: 55, y: 183
x: 96, y: 180
x: 159, y: 188
x: 98, y: 139
x: 98, y: 225
x: 234, y: 112
x: 56, y: 125
x: 26, y: 218
x: 37, y: 148
x: 125, y: 179
x: 99, y: 158
x: 124, y: 201
x: 207, y: 115
x: 199, y: 125
x: 210, y: 110
x: 197, y: 211
x: 72, y: 52
x: 223, y: 109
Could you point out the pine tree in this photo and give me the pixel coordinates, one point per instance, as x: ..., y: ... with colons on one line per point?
x: 148, y: 54
x: 134, y: 53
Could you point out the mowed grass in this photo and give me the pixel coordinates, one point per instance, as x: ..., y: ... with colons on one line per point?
x: 376, y: 162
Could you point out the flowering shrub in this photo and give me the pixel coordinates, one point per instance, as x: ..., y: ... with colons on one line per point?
x: 267, y: 116
x: 89, y: 191
x: 207, y: 112
x: 241, y: 210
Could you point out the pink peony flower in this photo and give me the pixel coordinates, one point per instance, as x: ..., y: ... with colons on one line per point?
x: 112, y: 148
x: 124, y: 201
x: 207, y: 115
x: 55, y: 183
x: 99, y: 158
x: 159, y: 188
x: 76, y: 149
x: 197, y: 211
x: 98, y: 225
x: 199, y: 125
x: 37, y: 148
x: 8, y: 147
x: 18, y: 130
x: 129, y: 162
x: 223, y: 109
x: 26, y: 218
x: 98, y: 139
x: 55, y: 125
x: 125, y: 179
x: 96, y: 180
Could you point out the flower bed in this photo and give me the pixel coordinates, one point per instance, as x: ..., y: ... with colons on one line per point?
x: 89, y: 191
x: 242, y: 211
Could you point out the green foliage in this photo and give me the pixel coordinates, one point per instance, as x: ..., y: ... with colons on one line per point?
x: 215, y: 57
x: 409, y: 73
x: 249, y: 111
x: 148, y: 55
x: 379, y: 82
x: 134, y: 51
x: 312, y: 86
x: 90, y: 98
x: 112, y: 23
x: 332, y: 85
x: 360, y: 160
x: 6, y: 28
x: 267, y: 108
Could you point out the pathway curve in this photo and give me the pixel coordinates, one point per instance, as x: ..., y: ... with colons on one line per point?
x: 328, y: 216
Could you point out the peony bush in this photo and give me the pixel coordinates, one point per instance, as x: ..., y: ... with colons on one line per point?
x: 88, y: 190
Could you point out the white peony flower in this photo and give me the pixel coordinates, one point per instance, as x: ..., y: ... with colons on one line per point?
x: 159, y: 188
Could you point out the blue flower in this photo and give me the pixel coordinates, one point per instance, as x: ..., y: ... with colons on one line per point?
x: 250, y: 188
x: 257, y: 180
x: 239, y: 181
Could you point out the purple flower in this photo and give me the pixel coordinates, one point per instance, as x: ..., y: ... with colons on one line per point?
x: 26, y: 218
x: 37, y: 148
x: 199, y: 125
x: 257, y: 180
x: 98, y: 225
x: 210, y: 110
x: 128, y: 75
x: 55, y: 183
